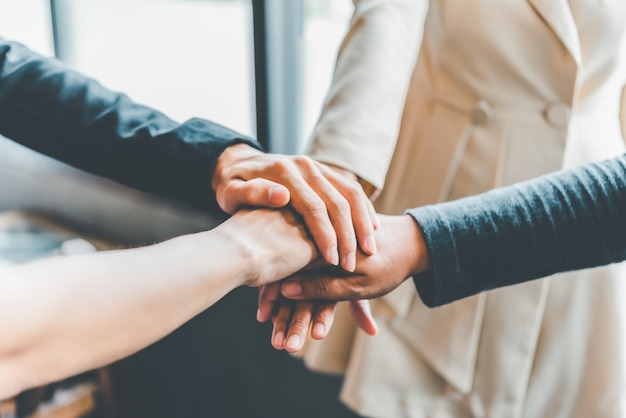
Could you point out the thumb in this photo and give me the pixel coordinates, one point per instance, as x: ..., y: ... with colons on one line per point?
x: 257, y: 192
x: 308, y: 287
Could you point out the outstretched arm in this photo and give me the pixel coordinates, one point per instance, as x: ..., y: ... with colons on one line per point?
x: 59, y: 112
x: 65, y: 315
x: 52, y: 109
x: 563, y: 221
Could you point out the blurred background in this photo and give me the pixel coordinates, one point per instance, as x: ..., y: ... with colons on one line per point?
x: 260, y: 67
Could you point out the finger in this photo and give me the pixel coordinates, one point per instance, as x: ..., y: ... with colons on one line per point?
x: 321, y: 287
x: 281, y: 322
x: 257, y: 192
x: 323, y: 318
x: 269, y: 296
x: 363, y: 214
x: 362, y: 315
x: 337, y: 207
x: 334, y: 172
x: 373, y: 214
x: 299, y: 326
x: 310, y: 205
x: 340, y: 215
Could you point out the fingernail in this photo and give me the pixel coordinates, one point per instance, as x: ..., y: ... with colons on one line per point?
x: 291, y: 289
x: 319, y: 330
x: 349, y: 263
x: 279, y: 339
x: 258, y: 315
x: 294, y: 342
x: 370, y: 244
x: 333, y: 256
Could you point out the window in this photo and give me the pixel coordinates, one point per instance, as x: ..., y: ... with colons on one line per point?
x: 296, y: 44
x: 325, y: 24
x: 27, y: 21
x: 184, y: 57
x: 203, y: 58
x: 196, y: 57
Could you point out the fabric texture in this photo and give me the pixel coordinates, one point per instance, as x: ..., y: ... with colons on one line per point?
x: 567, y: 221
x: 52, y: 109
x: 438, y: 100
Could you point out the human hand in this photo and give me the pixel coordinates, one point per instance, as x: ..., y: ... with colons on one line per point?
x: 292, y: 320
x: 401, y: 253
x: 334, y: 207
x: 273, y: 244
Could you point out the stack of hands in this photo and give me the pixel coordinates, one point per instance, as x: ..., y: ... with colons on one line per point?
x: 361, y: 255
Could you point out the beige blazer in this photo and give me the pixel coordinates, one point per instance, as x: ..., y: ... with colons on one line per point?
x: 501, y: 91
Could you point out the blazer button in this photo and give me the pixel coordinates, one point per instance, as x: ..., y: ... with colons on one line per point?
x: 557, y: 114
x: 481, y: 113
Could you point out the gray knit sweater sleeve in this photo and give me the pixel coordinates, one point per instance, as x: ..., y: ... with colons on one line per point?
x: 567, y: 220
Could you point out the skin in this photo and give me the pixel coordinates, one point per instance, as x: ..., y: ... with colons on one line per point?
x: 66, y: 315
x: 163, y: 285
x: 401, y: 254
x: 333, y: 205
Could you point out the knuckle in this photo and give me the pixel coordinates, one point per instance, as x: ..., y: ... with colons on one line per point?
x: 362, y: 290
x: 341, y: 205
x: 228, y: 190
x: 250, y: 194
x: 319, y: 287
x: 354, y: 191
x: 316, y: 206
x: 325, y: 313
x: 359, y: 292
x: 315, y: 176
x: 281, y: 167
x: 304, y: 161
x: 300, y: 323
x: 348, y: 243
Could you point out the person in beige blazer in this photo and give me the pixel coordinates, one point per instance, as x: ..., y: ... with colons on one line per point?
x: 433, y: 101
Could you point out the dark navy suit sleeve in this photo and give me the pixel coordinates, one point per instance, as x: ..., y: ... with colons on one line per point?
x: 46, y: 106
x: 567, y: 220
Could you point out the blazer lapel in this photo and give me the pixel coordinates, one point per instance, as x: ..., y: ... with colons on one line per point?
x: 558, y: 15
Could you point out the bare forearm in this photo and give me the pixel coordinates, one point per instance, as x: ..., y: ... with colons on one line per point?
x: 69, y: 314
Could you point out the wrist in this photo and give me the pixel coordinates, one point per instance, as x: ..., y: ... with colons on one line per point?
x: 418, y: 258
x: 248, y: 261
